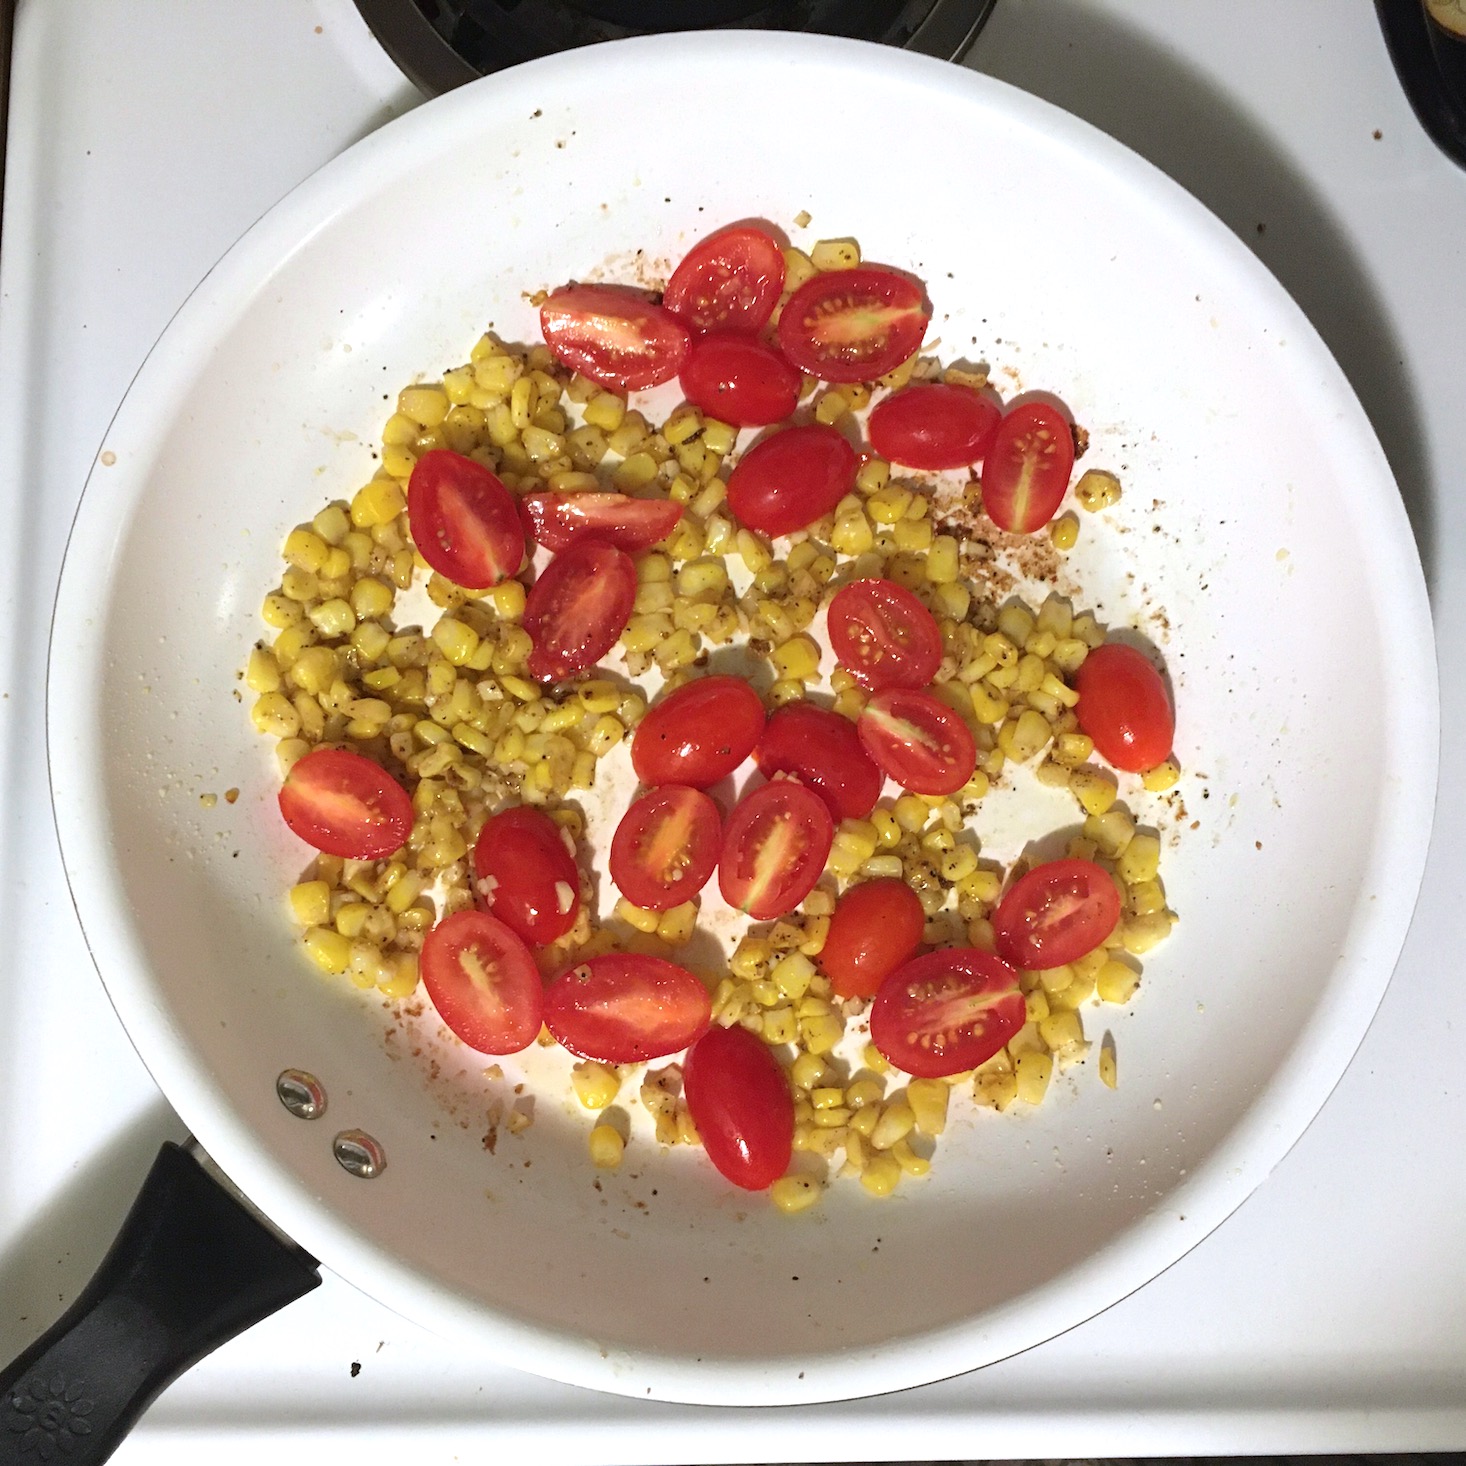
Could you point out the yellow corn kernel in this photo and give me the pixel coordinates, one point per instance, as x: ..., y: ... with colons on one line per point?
x: 1094, y: 789
x: 595, y: 1085
x: 1116, y: 982
x: 911, y: 1164
x: 1140, y: 860
x: 378, y: 502
x: 896, y: 1123
x: 928, y: 1099
x: 821, y: 1032
x: 262, y: 671
x: 606, y: 1147
x: 310, y: 903
x: 305, y: 549
x: 881, y: 1175
x: 1111, y: 831
x: 399, y: 975
x: 328, y: 949
x: 912, y: 813
x: 1062, y: 1031
x: 1031, y: 1075
x: 1023, y: 737
x: 792, y: 975
x: 797, y: 659
x: 1163, y: 776
x: 1138, y: 934
x: 274, y: 714
x: 1064, y: 532
x: 636, y: 916
x: 852, y: 534
x: 425, y: 405
x: 1097, y: 489
x: 888, y: 505
x: 942, y: 560
x: 794, y: 1194
x: 678, y: 924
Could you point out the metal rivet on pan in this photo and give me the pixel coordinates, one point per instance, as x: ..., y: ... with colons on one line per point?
x: 359, y: 1154
x: 301, y: 1094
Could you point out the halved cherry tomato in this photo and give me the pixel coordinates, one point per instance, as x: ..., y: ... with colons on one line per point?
x: 923, y: 744
x: 1124, y: 706
x: 577, y: 608
x: 823, y: 750
x: 463, y: 520
x: 775, y: 845
x: 853, y: 325
x: 483, y: 982
x: 614, y: 335
x: 698, y: 734
x: 933, y: 425
x: 946, y: 1012
x: 729, y: 281
x: 737, y: 379
x: 877, y: 925
x: 344, y: 804
x: 526, y: 876
x: 1026, y: 472
x: 1055, y: 913
x: 739, y: 1099
x: 624, y: 1009
x: 666, y: 847
x: 556, y: 521
x: 883, y: 636
x: 791, y: 478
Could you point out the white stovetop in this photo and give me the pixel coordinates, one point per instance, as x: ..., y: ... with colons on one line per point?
x: 1327, y: 1314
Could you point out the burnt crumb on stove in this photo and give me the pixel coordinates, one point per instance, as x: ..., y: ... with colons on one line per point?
x: 355, y: 1368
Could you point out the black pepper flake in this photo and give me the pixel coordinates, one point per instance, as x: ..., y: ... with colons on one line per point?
x: 355, y: 1368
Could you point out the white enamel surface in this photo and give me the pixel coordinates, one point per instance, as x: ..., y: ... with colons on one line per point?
x: 1190, y: 367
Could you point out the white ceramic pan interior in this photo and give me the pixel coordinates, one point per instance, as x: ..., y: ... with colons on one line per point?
x: 1261, y: 546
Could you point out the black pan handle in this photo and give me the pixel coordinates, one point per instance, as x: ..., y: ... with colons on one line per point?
x: 190, y: 1268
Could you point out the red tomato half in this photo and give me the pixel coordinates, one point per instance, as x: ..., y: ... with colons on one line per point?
x: 775, y: 845
x: 1026, y: 472
x: 853, y: 325
x: 1124, y: 706
x: 877, y: 925
x: 577, y: 608
x: 739, y: 380
x: 614, y: 335
x: 918, y: 740
x: 946, y: 1012
x: 1055, y: 913
x: 698, y: 734
x: 463, y: 520
x: 344, y: 804
x: 729, y: 281
x: 483, y: 982
x: 933, y: 425
x: 739, y: 1100
x: 556, y: 521
x: 624, y: 1009
x: 526, y: 876
x: 666, y: 847
x: 883, y: 636
x: 823, y: 750
x: 791, y: 478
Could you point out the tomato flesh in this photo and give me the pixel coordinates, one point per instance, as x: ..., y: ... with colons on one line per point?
x: 1056, y: 913
x: 526, y: 876
x: 1124, y: 706
x: 463, y: 520
x: 739, y: 380
x: 343, y: 803
x: 823, y: 750
x: 666, y: 847
x: 729, y: 281
x: 1026, y: 472
x: 853, y: 325
x: 775, y: 845
x: 614, y: 335
x: 557, y: 521
x: 947, y: 1011
x: 698, y: 734
x: 923, y: 744
x: 578, y: 607
x: 740, y: 1102
x: 792, y: 478
x: 483, y: 982
x: 621, y: 1008
x: 933, y: 426
x: 883, y: 636
x: 876, y: 927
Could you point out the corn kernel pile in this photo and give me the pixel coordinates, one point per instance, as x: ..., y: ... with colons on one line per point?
x: 450, y: 710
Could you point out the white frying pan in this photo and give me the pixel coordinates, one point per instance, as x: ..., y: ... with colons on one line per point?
x: 1261, y: 544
